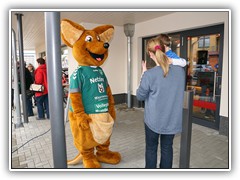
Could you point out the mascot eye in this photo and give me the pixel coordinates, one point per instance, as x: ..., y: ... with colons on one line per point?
x: 88, y: 39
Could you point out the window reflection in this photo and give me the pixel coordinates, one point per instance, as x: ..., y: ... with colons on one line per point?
x: 203, y: 56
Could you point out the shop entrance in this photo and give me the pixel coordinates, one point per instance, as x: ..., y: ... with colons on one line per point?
x: 203, y: 49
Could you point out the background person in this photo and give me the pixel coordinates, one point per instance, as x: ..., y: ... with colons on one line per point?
x: 28, y: 82
x: 42, y: 97
x: 32, y: 71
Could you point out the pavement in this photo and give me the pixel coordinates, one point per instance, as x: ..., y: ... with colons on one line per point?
x: 31, y: 145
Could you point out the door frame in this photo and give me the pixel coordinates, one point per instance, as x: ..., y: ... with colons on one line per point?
x: 216, y: 29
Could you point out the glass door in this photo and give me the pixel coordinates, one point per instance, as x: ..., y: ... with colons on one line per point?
x: 203, y: 54
x: 203, y: 49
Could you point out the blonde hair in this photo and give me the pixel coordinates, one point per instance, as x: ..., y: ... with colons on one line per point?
x: 157, y: 47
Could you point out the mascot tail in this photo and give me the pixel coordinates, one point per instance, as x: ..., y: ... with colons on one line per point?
x: 76, y: 160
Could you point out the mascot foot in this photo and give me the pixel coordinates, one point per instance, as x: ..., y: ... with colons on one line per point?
x: 91, y: 162
x: 109, y: 157
x: 76, y: 160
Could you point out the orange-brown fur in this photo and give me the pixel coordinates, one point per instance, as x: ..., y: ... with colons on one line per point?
x: 74, y: 36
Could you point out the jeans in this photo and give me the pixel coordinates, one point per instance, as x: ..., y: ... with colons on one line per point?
x: 42, y: 105
x: 166, y: 142
x: 29, y: 106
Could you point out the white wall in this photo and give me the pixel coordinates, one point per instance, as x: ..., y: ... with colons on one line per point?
x: 180, y: 21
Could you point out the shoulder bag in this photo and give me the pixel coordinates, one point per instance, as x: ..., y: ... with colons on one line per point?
x: 37, y: 87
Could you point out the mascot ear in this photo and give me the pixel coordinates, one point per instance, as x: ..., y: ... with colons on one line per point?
x: 70, y: 32
x: 105, y: 32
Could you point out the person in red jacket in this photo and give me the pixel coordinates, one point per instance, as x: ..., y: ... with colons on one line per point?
x: 42, y: 97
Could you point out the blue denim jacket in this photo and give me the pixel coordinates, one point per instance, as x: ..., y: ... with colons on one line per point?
x: 163, y: 98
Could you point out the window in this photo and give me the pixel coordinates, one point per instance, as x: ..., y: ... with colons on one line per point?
x: 42, y: 54
x: 204, y: 42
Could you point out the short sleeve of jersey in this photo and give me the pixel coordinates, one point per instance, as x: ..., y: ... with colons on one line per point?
x: 105, y: 78
x: 75, y: 81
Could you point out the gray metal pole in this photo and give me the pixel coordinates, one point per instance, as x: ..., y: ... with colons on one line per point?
x: 129, y: 32
x: 54, y: 70
x: 185, y: 144
x: 22, y: 68
x: 129, y: 71
x: 15, y: 78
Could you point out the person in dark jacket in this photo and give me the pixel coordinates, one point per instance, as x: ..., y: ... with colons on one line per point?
x: 42, y: 97
x: 32, y: 71
x: 28, y: 82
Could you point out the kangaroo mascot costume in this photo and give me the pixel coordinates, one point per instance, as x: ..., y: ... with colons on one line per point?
x: 91, y: 111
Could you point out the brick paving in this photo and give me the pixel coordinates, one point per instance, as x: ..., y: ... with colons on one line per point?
x: 209, y: 150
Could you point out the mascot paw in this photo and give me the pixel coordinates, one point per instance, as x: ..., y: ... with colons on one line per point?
x: 109, y: 157
x: 84, y: 124
x: 91, y: 162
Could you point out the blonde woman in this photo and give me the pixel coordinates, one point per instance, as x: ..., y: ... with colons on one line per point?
x: 162, y: 89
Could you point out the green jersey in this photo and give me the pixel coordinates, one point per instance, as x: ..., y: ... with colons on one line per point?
x: 92, y: 83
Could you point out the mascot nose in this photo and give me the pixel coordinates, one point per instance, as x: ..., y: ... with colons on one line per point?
x: 105, y: 45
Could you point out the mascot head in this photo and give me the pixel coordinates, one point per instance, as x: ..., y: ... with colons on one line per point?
x: 89, y: 47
